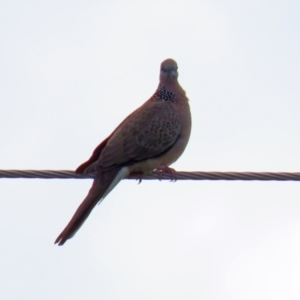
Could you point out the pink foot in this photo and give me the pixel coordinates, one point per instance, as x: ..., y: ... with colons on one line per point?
x: 161, y: 170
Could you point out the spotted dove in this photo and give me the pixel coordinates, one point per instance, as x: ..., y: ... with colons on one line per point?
x: 149, y: 139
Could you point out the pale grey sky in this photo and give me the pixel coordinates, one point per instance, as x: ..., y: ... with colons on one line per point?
x: 70, y: 71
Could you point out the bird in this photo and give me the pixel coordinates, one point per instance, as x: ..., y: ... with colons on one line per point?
x: 149, y: 140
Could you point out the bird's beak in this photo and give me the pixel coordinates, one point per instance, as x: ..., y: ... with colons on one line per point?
x: 174, y: 74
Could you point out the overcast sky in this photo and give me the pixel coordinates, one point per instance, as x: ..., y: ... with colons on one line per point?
x: 70, y: 71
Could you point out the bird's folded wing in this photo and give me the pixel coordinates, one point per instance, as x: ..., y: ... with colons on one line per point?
x: 149, y: 132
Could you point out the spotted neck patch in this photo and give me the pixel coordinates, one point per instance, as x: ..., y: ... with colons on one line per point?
x: 162, y: 94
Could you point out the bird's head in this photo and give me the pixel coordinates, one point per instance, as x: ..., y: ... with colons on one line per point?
x: 168, y: 69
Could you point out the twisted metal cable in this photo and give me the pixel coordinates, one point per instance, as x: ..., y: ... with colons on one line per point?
x: 65, y: 174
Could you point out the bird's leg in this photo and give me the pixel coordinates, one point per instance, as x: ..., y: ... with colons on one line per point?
x: 161, y: 170
x: 139, y: 176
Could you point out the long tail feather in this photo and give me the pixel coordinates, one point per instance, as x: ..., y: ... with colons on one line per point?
x: 102, y: 185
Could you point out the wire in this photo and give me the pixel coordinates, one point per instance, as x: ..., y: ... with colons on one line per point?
x: 65, y: 174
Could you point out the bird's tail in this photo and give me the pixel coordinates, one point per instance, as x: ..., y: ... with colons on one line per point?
x: 102, y: 185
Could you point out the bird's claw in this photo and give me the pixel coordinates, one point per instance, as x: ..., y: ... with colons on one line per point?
x: 161, y: 170
x: 138, y: 176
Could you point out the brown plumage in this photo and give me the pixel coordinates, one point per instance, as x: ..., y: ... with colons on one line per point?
x: 152, y: 137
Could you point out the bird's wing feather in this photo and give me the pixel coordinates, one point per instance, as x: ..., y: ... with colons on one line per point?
x: 81, y: 169
x: 147, y: 133
x: 98, y: 150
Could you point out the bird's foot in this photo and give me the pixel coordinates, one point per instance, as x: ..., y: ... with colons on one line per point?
x: 138, y: 176
x: 161, y: 170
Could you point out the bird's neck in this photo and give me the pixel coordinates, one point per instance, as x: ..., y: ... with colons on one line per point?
x: 167, y: 90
